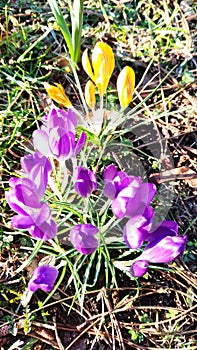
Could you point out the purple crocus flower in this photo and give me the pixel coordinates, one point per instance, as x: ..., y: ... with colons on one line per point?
x: 37, y: 167
x: 133, y: 199
x: 129, y: 195
x: 84, y: 182
x: 114, y: 181
x: 82, y: 238
x: 136, y: 230
x: 33, y: 215
x: 67, y: 120
x: 57, y: 135
x: 43, y: 277
x: 164, y: 246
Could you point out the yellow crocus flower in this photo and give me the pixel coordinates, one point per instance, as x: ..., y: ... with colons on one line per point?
x: 57, y: 93
x: 125, y: 86
x: 90, y: 94
x: 102, y: 65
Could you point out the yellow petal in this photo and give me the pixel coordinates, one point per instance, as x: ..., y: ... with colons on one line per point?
x: 125, y: 86
x: 90, y: 94
x: 103, y: 65
x: 57, y: 93
x: 86, y: 65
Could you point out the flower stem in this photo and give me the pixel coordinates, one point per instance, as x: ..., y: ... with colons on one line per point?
x: 65, y: 175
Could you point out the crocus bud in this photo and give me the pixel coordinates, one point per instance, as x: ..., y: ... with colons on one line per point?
x: 90, y: 94
x: 57, y: 93
x: 102, y: 63
x: 139, y: 268
x: 85, y: 182
x: 125, y: 86
x: 82, y: 238
x: 43, y: 277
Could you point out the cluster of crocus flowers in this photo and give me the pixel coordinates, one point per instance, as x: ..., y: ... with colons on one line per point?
x: 99, y: 69
x: 131, y: 199
x: 55, y: 143
x: 100, y: 72
x: 56, y: 139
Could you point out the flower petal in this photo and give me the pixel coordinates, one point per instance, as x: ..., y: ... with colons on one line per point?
x: 164, y: 250
x: 43, y: 277
x: 41, y: 142
x: 136, y: 230
x: 80, y: 143
x: 81, y: 236
x: 139, y: 268
x: 103, y: 65
x: 44, y: 231
x: 90, y: 94
x: 86, y: 65
x: 22, y: 222
x: 57, y: 93
x: 125, y: 86
x: 85, y: 182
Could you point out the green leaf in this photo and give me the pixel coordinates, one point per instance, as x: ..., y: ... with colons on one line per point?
x: 63, y: 25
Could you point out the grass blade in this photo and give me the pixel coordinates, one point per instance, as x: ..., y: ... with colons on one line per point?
x: 63, y: 25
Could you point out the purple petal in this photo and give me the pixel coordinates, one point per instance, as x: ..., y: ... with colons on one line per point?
x: 147, y: 192
x: 22, y: 222
x: 27, y: 196
x: 60, y: 118
x: 41, y: 142
x: 110, y: 190
x: 71, y: 120
x: 44, y: 231
x: 81, y: 236
x: 115, y: 181
x: 163, y: 229
x: 80, y: 143
x: 37, y: 167
x: 164, y: 250
x: 14, y: 204
x: 41, y: 215
x: 61, y: 144
x: 22, y: 196
x: 85, y: 182
x: 139, y: 268
x: 44, y: 278
x: 36, y: 158
x: 137, y: 228
x: 126, y: 203
x: 109, y: 173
